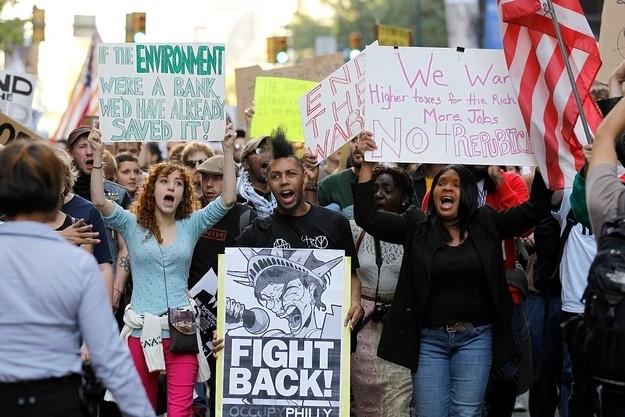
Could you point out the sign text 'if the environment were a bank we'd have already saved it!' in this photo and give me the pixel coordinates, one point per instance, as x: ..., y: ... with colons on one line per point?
x: 161, y: 92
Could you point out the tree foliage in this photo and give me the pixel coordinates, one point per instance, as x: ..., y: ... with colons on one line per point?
x: 426, y: 18
x: 12, y: 30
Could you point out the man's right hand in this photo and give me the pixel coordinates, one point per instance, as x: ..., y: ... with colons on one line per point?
x: 80, y: 233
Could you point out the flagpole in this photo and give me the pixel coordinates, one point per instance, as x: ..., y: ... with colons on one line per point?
x: 549, y: 8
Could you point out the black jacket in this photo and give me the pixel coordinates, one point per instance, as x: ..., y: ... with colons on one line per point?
x: 400, y: 340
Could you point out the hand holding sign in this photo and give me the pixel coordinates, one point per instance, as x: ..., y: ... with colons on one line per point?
x: 364, y: 144
x: 95, y: 139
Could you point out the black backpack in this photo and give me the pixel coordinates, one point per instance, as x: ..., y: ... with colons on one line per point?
x: 604, y: 316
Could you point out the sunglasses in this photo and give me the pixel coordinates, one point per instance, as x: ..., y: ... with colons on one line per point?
x: 192, y: 163
x: 259, y: 151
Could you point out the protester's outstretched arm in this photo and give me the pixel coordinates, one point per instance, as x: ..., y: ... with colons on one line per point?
x: 312, y: 176
x: 365, y: 143
x: 122, y: 271
x: 615, y: 83
x: 229, y: 194
x: 98, y: 198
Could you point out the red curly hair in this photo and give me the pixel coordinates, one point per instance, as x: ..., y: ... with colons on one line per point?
x: 145, y: 205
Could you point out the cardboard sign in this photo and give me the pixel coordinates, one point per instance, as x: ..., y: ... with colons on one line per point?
x: 311, y: 69
x: 286, y: 351
x: 393, y: 35
x: 333, y: 112
x: 437, y: 105
x: 16, y: 95
x: 612, y: 37
x: 276, y: 103
x: 11, y: 130
x: 161, y: 92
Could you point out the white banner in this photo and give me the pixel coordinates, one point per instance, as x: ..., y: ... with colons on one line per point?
x: 16, y: 95
x: 444, y: 105
x: 286, y: 351
x: 160, y: 92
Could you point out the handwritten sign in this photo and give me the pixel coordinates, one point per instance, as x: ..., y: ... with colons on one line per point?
x: 161, y: 92
x: 333, y: 111
x: 284, y: 354
x: 393, y: 35
x: 311, y: 69
x: 11, y: 129
x: 612, y: 37
x: 438, y: 105
x: 276, y: 103
x: 16, y: 95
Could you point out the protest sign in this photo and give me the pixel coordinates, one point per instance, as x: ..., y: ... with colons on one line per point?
x: 311, y: 69
x: 286, y: 351
x: 276, y: 103
x: 205, y: 295
x: 333, y: 111
x: 16, y: 95
x: 161, y: 92
x: 11, y: 130
x: 393, y: 35
x: 444, y: 105
x: 611, y: 37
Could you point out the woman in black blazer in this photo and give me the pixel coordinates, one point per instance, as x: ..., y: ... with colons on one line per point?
x: 450, y: 317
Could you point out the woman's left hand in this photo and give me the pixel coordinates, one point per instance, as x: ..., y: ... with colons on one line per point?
x: 218, y: 344
x: 229, y: 138
x: 354, y: 315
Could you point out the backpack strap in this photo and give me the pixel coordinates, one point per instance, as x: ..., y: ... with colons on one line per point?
x: 244, y: 218
x: 359, y: 240
x: 620, y: 206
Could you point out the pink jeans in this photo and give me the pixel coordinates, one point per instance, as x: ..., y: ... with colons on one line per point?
x: 181, y: 372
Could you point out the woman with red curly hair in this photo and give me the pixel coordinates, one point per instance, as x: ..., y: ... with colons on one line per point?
x: 161, y: 229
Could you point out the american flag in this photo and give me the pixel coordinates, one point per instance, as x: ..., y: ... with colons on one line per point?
x: 84, y: 98
x: 538, y: 73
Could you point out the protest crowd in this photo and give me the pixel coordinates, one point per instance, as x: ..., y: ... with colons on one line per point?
x: 466, y: 285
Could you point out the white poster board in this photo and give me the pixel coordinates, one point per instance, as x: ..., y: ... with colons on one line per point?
x: 16, y: 95
x: 161, y: 92
x: 286, y: 351
x: 442, y: 105
x: 333, y: 112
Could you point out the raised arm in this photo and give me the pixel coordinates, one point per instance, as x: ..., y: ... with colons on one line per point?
x: 365, y: 143
x: 604, y: 151
x: 98, y: 198
x: 312, y: 175
x: 617, y: 78
x: 229, y: 194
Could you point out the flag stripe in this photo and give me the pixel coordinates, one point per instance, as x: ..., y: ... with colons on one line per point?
x: 84, y: 97
x: 539, y: 75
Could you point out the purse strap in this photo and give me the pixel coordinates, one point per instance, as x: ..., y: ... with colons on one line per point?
x: 378, y: 262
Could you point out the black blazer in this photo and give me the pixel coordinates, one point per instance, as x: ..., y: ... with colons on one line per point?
x: 400, y: 340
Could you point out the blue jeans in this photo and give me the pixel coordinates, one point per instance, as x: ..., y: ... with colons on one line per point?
x: 453, y: 372
x: 514, y: 376
x: 545, y: 395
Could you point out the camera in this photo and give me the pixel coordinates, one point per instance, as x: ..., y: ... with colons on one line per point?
x: 380, y: 311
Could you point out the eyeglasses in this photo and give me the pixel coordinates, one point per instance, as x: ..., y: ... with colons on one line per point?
x: 192, y: 163
x: 259, y: 151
